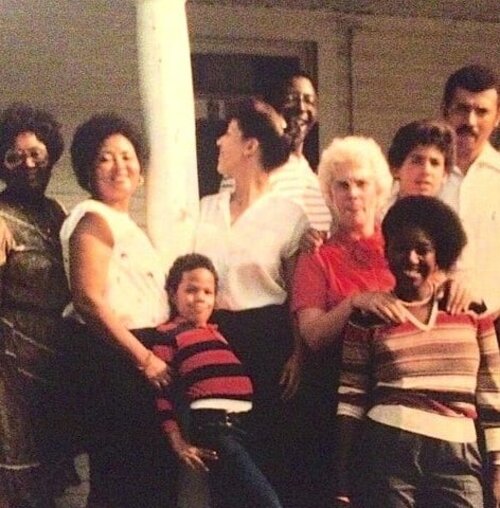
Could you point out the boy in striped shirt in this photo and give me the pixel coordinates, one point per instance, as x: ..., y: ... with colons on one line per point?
x: 211, y: 381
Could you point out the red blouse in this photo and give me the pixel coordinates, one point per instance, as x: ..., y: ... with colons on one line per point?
x: 340, y: 267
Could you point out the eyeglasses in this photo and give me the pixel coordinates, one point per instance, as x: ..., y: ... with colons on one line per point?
x: 294, y: 98
x: 14, y: 158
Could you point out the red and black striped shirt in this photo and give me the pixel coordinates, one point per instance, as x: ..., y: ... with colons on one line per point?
x: 205, y: 367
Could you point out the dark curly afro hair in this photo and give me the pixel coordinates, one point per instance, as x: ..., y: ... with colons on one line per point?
x: 435, y: 218
x: 19, y: 118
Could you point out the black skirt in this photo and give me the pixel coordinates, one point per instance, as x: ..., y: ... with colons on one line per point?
x: 262, y: 339
x: 131, y: 463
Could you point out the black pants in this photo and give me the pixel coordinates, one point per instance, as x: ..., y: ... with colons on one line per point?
x: 312, y: 422
x: 405, y: 469
x: 131, y: 463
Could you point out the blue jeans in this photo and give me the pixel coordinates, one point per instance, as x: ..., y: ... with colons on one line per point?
x: 234, y: 479
x: 404, y: 470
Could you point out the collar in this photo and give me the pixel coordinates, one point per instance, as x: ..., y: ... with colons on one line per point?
x: 179, y: 321
x: 488, y: 157
x: 365, y: 251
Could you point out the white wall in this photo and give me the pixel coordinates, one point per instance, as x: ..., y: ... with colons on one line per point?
x: 77, y: 57
x: 73, y: 57
x: 375, y: 72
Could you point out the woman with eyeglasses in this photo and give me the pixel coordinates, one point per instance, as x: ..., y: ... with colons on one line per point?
x: 34, y: 444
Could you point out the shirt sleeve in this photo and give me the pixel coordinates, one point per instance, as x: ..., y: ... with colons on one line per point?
x: 165, y: 398
x: 310, y: 285
x: 355, y: 373
x: 488, y: 383
x: 301, y: 224
x: 318, y: 214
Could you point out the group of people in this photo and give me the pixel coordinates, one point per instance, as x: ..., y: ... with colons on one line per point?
x: 329, y: 341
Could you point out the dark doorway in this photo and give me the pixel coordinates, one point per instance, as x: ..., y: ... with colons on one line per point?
x: 220, y: 80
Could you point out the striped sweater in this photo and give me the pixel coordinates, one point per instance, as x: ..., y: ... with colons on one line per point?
x: 204, y: 365
x: 433, y: 379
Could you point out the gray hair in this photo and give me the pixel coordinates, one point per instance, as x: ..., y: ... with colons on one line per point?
x: 358, y: 150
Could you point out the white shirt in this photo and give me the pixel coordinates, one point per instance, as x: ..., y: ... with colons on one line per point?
x: 296, y: 181
x: 248, y: 254
x: 135, y: 285
x: 475, y: 196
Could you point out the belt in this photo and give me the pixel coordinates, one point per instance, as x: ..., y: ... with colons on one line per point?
x: 217, y: 418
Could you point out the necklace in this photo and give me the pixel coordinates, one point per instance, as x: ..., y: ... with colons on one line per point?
x: 420, y: 303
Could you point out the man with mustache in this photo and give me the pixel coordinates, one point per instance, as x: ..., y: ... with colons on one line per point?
x: 296, y: 99
x: 471, y: 105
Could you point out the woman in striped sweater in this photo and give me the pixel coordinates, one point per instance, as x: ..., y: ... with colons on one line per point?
x: 211, y: 380
x: 419, y: 386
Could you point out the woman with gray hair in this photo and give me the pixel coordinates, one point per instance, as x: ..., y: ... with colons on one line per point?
x: 347, y: 272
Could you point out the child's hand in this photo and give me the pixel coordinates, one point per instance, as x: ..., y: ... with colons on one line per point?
x: 196, y: 458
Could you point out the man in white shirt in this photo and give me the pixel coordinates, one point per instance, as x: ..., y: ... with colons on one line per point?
x: 471, y: 105
x: 296, y: 99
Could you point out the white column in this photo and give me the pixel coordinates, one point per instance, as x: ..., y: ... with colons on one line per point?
x: 168, y: 103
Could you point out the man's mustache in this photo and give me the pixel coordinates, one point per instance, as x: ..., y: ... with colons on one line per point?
x: 466, y: 129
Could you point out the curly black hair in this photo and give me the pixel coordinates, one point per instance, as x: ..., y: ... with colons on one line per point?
x: 19, y: 118
x: 89, y: 137
x: 184, y: 264
x: 435, y: 218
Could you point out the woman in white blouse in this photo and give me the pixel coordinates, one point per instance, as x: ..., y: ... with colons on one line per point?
x: 117, y: 285
x: 252, y: 235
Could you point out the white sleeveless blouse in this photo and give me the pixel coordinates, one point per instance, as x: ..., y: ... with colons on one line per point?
x: 135, y: 286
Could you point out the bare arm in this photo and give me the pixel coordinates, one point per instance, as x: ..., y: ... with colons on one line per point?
x: 321, y: 328
x: 90, y: 252
x: 291, y: 375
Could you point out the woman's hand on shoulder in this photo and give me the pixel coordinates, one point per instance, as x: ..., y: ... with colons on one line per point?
x: 384, y: 305
x: 457, y: 295
x: 312, y: 240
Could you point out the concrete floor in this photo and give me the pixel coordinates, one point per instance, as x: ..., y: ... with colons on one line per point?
x: 193, y: 491
x: 76, y: 497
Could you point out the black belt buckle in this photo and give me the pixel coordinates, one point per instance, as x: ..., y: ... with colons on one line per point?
x: 216, y: 418
x: 232, y: 419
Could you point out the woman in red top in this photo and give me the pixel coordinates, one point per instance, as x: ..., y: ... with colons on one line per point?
x: 348, y: 271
